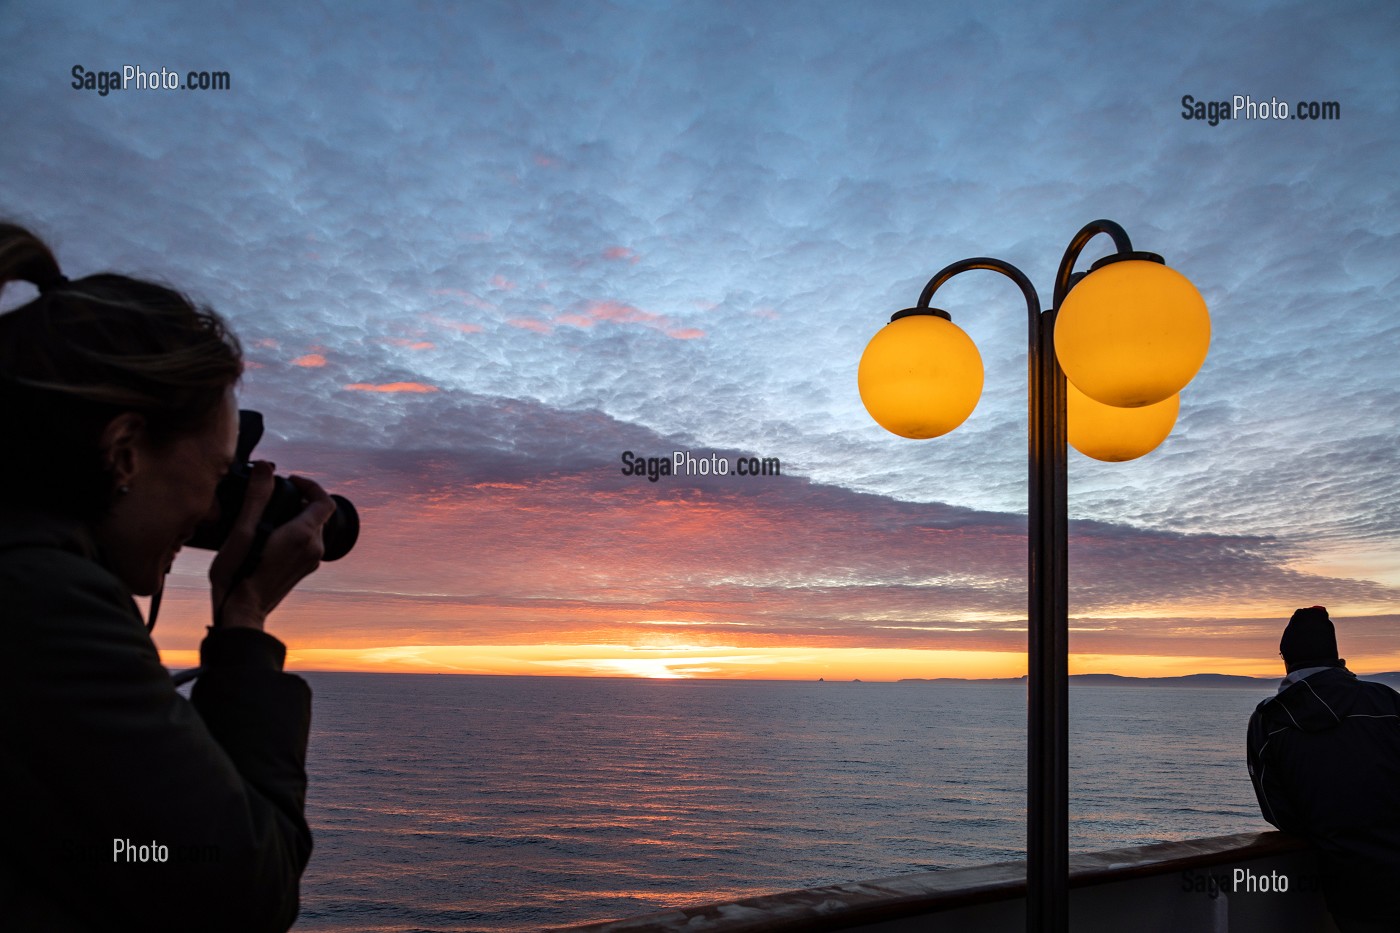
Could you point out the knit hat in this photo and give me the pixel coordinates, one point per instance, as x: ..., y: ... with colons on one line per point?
x: 1309, y: 640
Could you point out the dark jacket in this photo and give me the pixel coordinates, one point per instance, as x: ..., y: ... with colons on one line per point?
x: 99, y: 756
x: 1324, y: 756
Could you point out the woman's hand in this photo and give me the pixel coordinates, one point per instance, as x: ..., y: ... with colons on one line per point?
x: 292, y: 551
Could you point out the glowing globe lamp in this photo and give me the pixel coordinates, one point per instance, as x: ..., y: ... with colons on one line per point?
x: 1112, y: 434
x: 1132, y: 333
x: 920, y: 376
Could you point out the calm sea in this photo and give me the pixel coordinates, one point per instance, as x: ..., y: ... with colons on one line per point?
x: 518, y: 803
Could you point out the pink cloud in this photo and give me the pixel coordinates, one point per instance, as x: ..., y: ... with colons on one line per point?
x: 266, y: 343
x: 539, y: 327
x: 544, y: 161
x: 466, y: 298
x: 503, y: 283
x: 454, y: 325
x: 414, y: 387
x: 621, y: 254
x: 310, y: 360
x: 620, y: 313
x: 416, y: 344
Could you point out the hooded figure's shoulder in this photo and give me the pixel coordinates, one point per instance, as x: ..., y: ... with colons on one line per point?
x: 1380, y: 697
x: 1311, y: 704
x: 1325, y: 700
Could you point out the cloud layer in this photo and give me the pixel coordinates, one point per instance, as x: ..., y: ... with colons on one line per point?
x: 477, y: 252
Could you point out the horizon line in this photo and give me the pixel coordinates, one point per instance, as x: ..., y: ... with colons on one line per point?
x: 801, y: 680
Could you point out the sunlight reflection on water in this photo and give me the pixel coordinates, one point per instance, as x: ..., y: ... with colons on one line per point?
x: 502, y: 803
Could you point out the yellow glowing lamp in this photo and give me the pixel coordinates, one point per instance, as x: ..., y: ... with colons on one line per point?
x: 920, y: 376
x: 1132, y: 332
x: 1112, y: 434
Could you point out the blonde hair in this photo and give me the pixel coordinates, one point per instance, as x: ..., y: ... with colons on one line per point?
x: 85, y: 351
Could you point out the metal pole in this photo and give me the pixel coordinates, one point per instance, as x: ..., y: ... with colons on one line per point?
x: 1047, y: 675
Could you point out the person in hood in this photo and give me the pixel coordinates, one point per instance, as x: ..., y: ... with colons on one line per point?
x: 125, y: 805
x: 1324, y: 756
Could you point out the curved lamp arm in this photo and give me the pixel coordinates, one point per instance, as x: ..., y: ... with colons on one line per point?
x: 984, y: 262
x: 1065, y: 278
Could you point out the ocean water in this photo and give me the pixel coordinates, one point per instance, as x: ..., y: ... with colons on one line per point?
x: 518, y: 803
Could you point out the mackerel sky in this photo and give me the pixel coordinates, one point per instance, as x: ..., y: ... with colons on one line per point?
x: 475, y: 251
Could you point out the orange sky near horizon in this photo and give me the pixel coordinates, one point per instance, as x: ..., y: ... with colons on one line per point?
x: 588, y: 573
x: 747, y: 663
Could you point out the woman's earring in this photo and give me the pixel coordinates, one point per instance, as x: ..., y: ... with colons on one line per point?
x: 123, y: 489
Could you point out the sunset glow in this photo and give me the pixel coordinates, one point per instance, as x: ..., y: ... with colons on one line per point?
x: 832, y: 664
x: 416, y: 387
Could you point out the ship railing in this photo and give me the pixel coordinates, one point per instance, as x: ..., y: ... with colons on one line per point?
x: 1241, y: 882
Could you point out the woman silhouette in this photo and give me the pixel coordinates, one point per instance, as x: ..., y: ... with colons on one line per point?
x: 125, y: 805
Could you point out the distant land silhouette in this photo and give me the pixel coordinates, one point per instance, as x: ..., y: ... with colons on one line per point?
x: 1390, y: 678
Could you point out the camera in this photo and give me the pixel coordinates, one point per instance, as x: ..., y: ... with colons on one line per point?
x: 338, y: 535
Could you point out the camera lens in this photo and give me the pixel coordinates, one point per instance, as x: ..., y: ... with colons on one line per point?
x: 342, y: 529
x: 338, y: 535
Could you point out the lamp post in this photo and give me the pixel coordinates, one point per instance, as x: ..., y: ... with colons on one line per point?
x: 1130, y: 333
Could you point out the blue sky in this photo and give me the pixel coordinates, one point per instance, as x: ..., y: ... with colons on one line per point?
x: 579, y: 228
